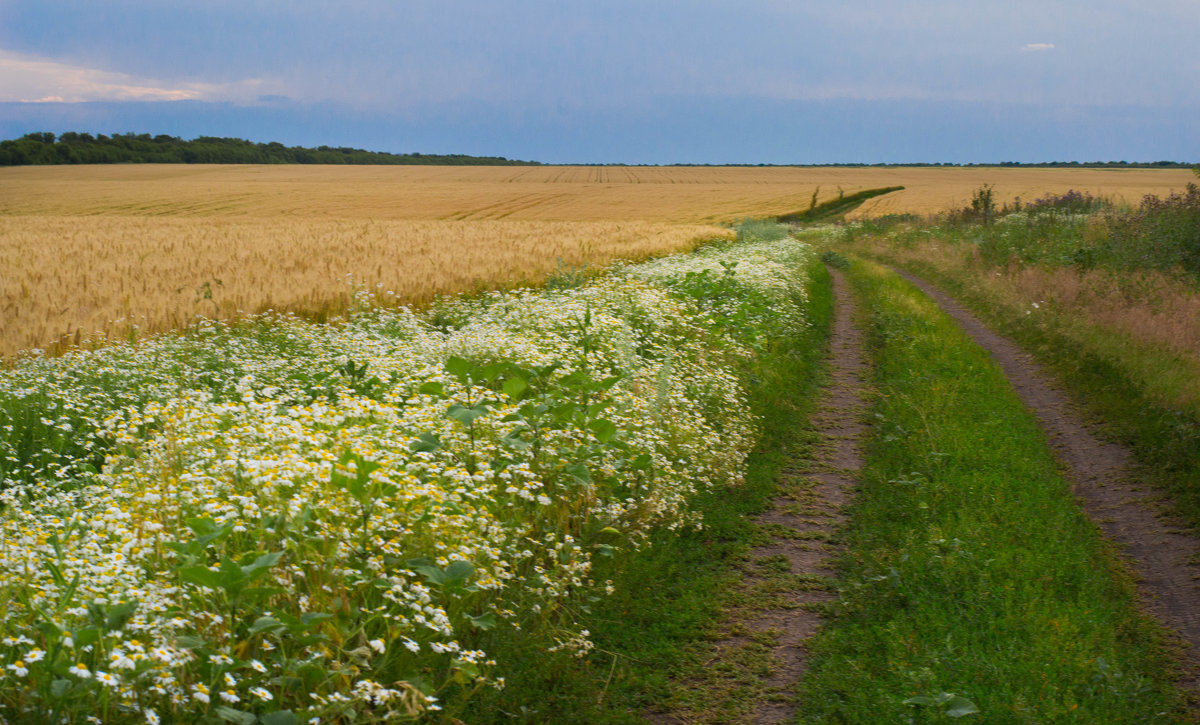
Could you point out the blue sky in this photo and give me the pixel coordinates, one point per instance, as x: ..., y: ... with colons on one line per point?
x: 754, y: 81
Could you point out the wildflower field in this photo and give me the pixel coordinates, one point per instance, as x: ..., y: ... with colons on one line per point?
x: 280, y: 521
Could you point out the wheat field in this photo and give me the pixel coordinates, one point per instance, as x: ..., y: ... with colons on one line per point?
x: 118, y: 250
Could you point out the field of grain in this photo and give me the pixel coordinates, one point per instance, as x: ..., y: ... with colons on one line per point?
x: 106, y: 248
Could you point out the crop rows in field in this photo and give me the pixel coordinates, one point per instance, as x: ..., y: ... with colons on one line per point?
x: 687, y: 195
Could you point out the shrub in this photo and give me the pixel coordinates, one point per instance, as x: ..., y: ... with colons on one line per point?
x: 1161, y: 234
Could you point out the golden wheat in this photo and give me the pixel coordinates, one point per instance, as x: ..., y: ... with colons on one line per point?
x: 75, y: 277
x: 104, y: 248
x: 661, y: 194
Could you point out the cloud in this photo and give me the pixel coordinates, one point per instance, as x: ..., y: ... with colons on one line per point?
x: 1033, y: 47
x: 31, y: 79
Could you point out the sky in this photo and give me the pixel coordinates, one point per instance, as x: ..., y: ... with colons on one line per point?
x: 622, y: 81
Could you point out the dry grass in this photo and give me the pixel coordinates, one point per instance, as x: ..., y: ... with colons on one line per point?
x: 100, y: 248
x: 1105, y: 309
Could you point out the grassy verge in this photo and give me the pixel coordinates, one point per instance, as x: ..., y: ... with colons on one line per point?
x: 1142, y: 394
x: 654, y: 636
x: 972, y: 582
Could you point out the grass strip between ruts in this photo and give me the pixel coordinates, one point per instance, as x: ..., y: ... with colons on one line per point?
x: 972, y: 580
x: 1131, y: 386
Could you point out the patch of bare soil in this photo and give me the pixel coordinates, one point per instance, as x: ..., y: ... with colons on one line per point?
x: 1160, y: 556
x: 807, y: 514
x: 788, y: 576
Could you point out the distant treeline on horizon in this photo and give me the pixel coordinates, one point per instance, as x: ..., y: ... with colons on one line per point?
x: 43, y: 149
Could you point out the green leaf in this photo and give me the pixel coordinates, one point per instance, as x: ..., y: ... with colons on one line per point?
x: 485, y: 621
x: 432, y: 388
x: 459, y: 368
x: 489, y: 372
x: 466, y: 415
x: 263, y: 562
x: 424, y: 443
x: 87, y: 636
x: 280, y: 717
x: 432, y: 573
x: 59, y: 687
x: 641, y: 463
x: 514, y: 387
x: 311, y: 618
x: 459, y: 571
x: 266, y: 624
x: 607, y: 383
x: 201, y: 575
x: 919, y: 700
x: 187, y: 642
x: 580, y: 472
x: 118, y: 615
x: 604, y: 430
x: 228, y: 714
x: 959, y: 706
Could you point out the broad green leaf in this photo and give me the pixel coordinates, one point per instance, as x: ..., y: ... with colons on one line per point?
x: 485, y: 621
x: 189, y: 642
x: 432, y: 573
x: 459, y: 368
x: 604, y: 430
x: 459, y: 571
x: 959, y: 706
x: 311, y: 618
x: 466, y: 415
x: 201, y: 575
x: 581, y: 472
x: 228, y: 714
x: 265, y: 561
x: 424, y: 443
x: 266, y: 624
x: 84, y: 637
x: 117, y: 615
x: 432, y: 388
x: 280, y: 717
x: 514, y: 387
x: 489, y: 372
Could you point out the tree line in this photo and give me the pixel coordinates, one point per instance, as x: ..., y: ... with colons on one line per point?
x: 36, y: 149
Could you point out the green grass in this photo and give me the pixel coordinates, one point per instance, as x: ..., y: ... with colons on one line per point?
x: 654, y: 635
x: 835, y: 209
x: 970, y: 570
x: 1132, y: 389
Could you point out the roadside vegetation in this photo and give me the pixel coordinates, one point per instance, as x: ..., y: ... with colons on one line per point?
x: 972, y: 583
x: 276, y: 520
x: 1107, y: 295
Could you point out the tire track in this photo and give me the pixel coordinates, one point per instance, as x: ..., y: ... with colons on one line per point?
x: 807, y: 513
x: 1161, y: 557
